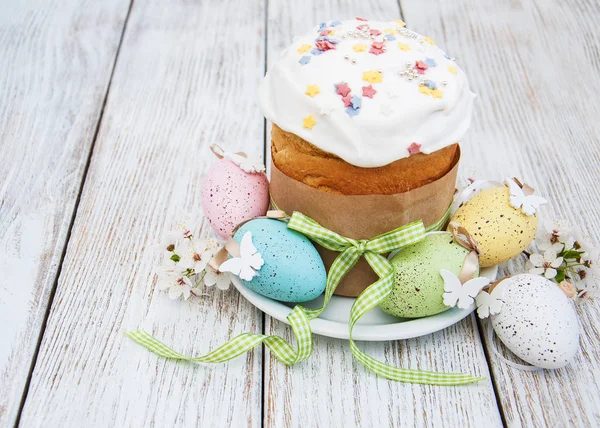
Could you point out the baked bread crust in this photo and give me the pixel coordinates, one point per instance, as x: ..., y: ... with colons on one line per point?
x: 324, y: 171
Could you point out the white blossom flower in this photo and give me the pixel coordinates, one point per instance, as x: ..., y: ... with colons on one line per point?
x: 198, y: 253
x: 589, y: 286
x: 591, y: 254
x: 169, y: 241
x: 545, y: 265
x: 182, y: 287
x: 173, y: 279
x: 555, y: 236
x: 213, y: 277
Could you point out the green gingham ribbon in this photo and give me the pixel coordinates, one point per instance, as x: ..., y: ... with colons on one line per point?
x: 350, y: 252
x: 242, y: 344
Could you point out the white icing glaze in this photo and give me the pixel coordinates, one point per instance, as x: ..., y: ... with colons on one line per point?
x: 387, y: 124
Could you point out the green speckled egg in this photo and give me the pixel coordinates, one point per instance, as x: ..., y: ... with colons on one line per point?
x: 501, y: 230
x: 419, y: 288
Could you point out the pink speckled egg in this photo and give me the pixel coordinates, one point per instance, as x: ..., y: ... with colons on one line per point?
x: 230, y: 195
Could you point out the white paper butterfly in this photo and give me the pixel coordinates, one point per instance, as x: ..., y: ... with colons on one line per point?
x: 248, y: 263
x: 528, y: 203
x: 488, y: 304
x: 470, y: 191
x: 250, y: 163
x: 461, y: 295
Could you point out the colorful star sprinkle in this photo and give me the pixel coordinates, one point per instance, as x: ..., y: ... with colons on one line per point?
x: 374, y: 32
x: 430, y: 84
x: 347, y: 99
x: 368, y: 91
x: 312, y: 90
x: 430, y: 62
x: 356, y: 102
x: 352, y: 111
x: 421, y: 66
x: 324, y: 45
x: 335, y: 23
x: 413, y: 149
x: 316, y: 51
x: 389, y: 31
x: 304, y: 60
x: 428, y: 40
x: 359, y: 47
x: 377, y: 48
x: 390, y: 37
x: 342, y: 88
x: 304, y: 48
x: 404, y: 47
x: 372, y: 76
x: 452, y: 69
x: 324, y: 37
x: 399, y: 22
x: 309, y: 122
x: 358, y: 18
x: 435, y: 93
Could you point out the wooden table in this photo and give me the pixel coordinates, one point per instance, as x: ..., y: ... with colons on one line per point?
x: 107, y: 109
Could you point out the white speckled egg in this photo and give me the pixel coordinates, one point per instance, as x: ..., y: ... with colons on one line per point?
x: 502, y: 231
x: 537, y: 322
x: 230, y: 195
x: 293, y: 270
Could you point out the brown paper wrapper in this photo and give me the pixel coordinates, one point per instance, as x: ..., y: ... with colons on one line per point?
x: 362, y: 216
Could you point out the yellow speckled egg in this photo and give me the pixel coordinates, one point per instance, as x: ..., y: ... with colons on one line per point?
x: 501, y: 230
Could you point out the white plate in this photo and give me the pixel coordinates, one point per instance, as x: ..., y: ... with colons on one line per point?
x: 375, y: 325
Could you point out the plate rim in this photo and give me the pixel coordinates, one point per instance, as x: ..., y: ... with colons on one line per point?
x: 374, y: 332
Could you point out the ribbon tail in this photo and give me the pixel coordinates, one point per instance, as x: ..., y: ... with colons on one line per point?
x: 421, y: 377
x: 370, y: 298
x: 242, y: 343
x: 469, y: 268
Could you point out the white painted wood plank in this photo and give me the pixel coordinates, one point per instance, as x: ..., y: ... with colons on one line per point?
x: 56, y: 61
x: 186, y: 77
x: 330, y: 389
x: 535, y: 67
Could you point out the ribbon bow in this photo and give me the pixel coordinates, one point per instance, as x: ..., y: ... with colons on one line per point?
x: 350, y: 252
x: 351, y: 249
x: 463, y: 238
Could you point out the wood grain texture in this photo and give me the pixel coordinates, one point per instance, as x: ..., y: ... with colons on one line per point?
x: 185, y: 77
x: 331, y: 389
x: 56, y: 62
x: 536, y: 117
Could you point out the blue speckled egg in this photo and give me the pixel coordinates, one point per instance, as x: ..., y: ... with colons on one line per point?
x: 293, y: 270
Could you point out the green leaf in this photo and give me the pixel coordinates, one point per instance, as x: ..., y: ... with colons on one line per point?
x: 560, y: 276
x: 175, y: 258
x: 571, y: 254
